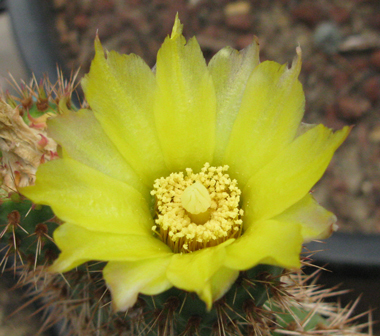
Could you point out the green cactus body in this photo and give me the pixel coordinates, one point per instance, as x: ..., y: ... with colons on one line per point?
x: 25, y: 231
x: 189, y: 313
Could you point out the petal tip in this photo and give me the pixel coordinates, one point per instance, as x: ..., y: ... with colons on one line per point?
x: 119, y: 305
x: 58, y: 266
x: 256, y: 40
x: 331, y: 228
x: 297, y: 62
x: 99, y: 50
x: 343, y: 134
x: 177, y: 28
x: 206, y: 296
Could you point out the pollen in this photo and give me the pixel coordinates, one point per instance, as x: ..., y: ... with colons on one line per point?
x: 197, y: 210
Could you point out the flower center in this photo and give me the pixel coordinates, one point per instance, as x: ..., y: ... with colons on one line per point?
x: 195, y: 211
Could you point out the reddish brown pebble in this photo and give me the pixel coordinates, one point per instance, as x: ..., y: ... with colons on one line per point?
x: 359, y: 63
x: 375, y: 59
x: 239, y: 21
x: 211, y: 31
x: 352, y: 108
x: 81, y: 21
x: 307, y: 66
x: 371, y: 88
x: 375, y: 20
x: 61, y: 24
x: 308, y: 13
x: 339, y: 14
x: 238, y: 15
x: 244, y: 41
x: 105, y: 5
x: 332, y: 120
x: 340, y: 79
x: 59, y: 4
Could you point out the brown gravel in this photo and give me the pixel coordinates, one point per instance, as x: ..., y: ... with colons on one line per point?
x: 340, y: 40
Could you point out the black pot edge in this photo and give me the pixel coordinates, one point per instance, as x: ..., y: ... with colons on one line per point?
x: 346, y: 251
x: 3, y: 6
x: 33, y: 30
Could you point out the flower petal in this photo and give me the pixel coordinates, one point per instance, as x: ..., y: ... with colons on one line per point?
x: 221, y: 282
x: 79, y: 245
x: 271, y: 110
x: 268, y: 242
x: 81, y: 195
x: 316, y: 221
x: 292, y: 173
x: 185, y: 103
x: 127, y: 279
x: 120, y: 90
x: 193, y: 271
x: 85, y: 141
x: 230, y: 70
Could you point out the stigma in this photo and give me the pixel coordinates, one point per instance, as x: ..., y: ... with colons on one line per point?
x: 197, y: 210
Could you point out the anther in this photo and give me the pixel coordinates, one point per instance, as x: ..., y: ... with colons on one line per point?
x: 196, y: 211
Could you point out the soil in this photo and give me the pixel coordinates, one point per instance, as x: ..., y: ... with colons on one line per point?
x: 340, y: 41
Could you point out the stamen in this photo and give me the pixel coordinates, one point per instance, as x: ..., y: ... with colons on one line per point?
x: 196, y: 211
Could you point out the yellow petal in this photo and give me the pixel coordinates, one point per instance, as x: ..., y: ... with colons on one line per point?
x: 268, y: 242
x: 291, y: 174
x: 316, y: 221
x: 271, y: 110
x: 79, y: 245
x: 185, y: 103
x: 221, y: 282
x: 120, y: 90
x: 192, y: 271
x: 81, y: 195
x: 84, y: 140
x: 230, y: 70
x: 127, y: 279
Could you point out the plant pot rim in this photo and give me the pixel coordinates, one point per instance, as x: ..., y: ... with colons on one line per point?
x: 353, y: 250
x: 33, y: 30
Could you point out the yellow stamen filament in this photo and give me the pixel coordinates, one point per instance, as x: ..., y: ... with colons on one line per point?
x: 196, y: 211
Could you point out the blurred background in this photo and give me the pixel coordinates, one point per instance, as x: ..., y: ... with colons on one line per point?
x: 340, y: 41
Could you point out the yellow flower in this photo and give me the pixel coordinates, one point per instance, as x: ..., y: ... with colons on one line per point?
x: 220, y: 149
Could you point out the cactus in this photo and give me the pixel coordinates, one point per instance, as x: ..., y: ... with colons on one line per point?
x: 265, y: 300
x: 27, y: 228
x: 82, y: 303
x: 27, y: 232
